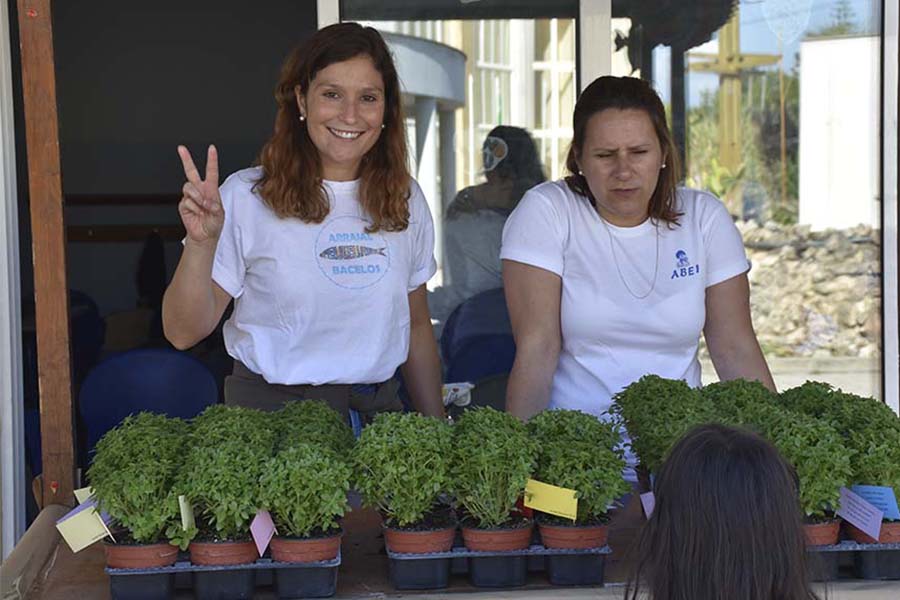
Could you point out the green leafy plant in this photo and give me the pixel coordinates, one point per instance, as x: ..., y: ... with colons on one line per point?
x: 133, y: 471
x: 574, y: 425
x: 305, y: 488
x: 402, y: 464
x: 870, y: 429
x: 738, y: 401
x: 657, y: 412
x: 313, y: 422
x: 228, y: 448
x: 818, y: 454
x: 578, y: 451
x: 491, y: 461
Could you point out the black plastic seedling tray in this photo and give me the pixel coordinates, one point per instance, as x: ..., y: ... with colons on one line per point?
x: 496, y: 569
x: 871, y: 561
x: 233, y: 582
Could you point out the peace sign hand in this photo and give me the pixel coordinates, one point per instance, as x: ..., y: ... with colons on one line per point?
x: 201, y: 206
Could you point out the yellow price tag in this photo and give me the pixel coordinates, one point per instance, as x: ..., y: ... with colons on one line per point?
x: 82, y: 526
x: 551, y: 499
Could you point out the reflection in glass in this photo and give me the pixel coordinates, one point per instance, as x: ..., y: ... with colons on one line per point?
x: 781, y: 114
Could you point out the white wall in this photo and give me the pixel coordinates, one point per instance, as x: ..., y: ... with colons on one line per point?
x: 839, y: 135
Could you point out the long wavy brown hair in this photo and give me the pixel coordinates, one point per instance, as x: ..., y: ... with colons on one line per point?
x: 625, y: 93
x: 291, y: 182
x: 727, y: 523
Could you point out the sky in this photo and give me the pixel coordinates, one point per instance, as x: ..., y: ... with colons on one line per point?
x: 759, y: 35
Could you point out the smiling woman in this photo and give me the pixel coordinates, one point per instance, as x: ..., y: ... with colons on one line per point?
x: 325, y: 247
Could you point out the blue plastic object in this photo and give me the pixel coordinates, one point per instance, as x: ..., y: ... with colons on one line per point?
x: 477, y: 341
x: 158, y: 380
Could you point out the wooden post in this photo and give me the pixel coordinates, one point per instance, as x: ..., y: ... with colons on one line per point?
x: 49, y: 250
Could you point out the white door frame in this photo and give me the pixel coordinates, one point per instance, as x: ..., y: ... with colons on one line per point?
x: 890, y: 245
x: 12, y: 437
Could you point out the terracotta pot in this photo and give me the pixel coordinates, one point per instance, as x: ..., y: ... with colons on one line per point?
x: 223, y: 553
x: 139, y: 556
x: 304, y: 550
x: 822, y: 534
x: 573, y: 537
x: 419, y: 542
x: 493, y: 540
x: 890, y: 534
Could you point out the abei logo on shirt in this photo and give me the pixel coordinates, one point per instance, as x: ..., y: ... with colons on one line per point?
x: 683, y: 266
x: 349, y: 256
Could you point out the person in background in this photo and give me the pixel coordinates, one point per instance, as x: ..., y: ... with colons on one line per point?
x: 475, y: 218
x: 325, y: 247
x: 726, y: 525
x: 614, y: 272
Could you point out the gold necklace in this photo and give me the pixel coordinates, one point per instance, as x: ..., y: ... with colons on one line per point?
x: 612, y: 248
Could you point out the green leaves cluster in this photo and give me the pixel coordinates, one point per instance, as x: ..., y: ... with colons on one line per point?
x: 313, y: 422
x: 491, y: 461
x: 818, y: 454
x: 133, y: 470
x: 870, y: 430
x: 402, y: 465
x: 305, y: 488
x: 578, y: 451
x: 738, y: 401
x: 229, y: 446
x: 657, y: 412
x: 815, y: 449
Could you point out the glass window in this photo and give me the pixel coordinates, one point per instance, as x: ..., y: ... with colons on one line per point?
x: 780, y: 108
x: 511, y: 129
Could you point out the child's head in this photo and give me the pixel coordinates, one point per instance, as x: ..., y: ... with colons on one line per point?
x: 727, y: 523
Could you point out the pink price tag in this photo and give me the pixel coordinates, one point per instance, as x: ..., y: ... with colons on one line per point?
x: 856, y: 510
x: 648, y: 501
x: 262, y: 529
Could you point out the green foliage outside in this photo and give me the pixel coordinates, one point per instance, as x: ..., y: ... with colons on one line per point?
x: 402, y: 465
x: 228, y: 448
x: 760, y: 123
x: 657, y: 412
x: 578, y: 451
x: 313, y: 422
x: 132, y: 473
x: 491, y: 461
x: 304, y: 487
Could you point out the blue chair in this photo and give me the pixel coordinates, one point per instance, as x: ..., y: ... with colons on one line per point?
x: 477, y: 339
x: 158, y: 380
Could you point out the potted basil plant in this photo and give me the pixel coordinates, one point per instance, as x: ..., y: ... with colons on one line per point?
x: 402, y: 467
x: 131, y: 475
x: 579, y: 452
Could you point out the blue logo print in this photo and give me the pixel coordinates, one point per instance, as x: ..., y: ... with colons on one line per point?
x: 683, y: 266
x: 348, y: 256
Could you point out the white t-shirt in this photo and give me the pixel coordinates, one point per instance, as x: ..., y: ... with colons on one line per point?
x: 610, y: 338
x: 319, y: 303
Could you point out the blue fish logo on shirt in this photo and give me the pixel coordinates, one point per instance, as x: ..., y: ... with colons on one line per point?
x: 350, y: 252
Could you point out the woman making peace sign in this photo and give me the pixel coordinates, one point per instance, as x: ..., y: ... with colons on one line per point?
x: 325, y: 246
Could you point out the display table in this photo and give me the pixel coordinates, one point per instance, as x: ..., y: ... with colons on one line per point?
x: 364, y: 571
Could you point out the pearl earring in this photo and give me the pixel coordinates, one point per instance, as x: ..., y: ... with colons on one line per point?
x: 663, y: 166
x: 382, y: 125
x: 302, y: 118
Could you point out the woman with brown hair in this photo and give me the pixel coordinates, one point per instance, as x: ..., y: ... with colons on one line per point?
x: 325, y: 247
x: 614, y: 272
x: 726, y: 525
